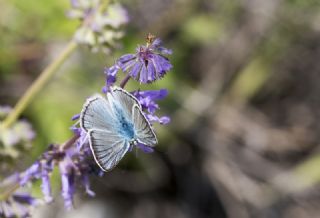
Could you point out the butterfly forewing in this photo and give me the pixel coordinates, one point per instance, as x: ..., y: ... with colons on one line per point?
x: 125, y: 99
x: 107, y: 149
x: 96, y: 114
x: 143, y: 128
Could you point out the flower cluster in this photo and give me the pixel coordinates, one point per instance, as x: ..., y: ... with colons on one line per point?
x: 148, y: 100
x: 74, y: 158
x: 146, y: 65
x: 74, y: 166
x: 17, y: 138
x: 101, y: 24
x: 18, y: 204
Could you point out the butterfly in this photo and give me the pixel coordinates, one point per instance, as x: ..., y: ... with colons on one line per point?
x: 114, y: 124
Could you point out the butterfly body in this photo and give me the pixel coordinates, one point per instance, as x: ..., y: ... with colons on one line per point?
x: 114, y: 124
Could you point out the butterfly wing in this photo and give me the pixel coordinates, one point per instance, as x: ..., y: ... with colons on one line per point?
x: 142, y: 127
x: 97, y: 114
x: 125, y: 99
x: 99, y: 118
x: 107, y: 148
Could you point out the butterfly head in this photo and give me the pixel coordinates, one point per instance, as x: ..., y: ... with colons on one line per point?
x: 134, y: 142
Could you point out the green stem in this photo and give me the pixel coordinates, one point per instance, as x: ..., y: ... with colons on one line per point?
x: 9, y: 191
x: 125, y: 80
x: 38, y: 84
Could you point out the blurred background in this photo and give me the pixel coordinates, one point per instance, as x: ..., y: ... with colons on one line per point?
x: 244, y: 100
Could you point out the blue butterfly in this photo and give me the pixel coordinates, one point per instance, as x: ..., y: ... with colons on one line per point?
x: 114, y: 124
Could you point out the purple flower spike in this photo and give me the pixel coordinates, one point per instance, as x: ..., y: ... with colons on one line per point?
x: 67, y: 184
x: 75, y: 117
x: 83, y: 138
x: 24, y: 198
x: 86, y: 184
x: 148, y: 100
x: 162, y: 120
x: 111, y: 77
x: 45, y: 186
x: 30, y: 173
x: 146, y: 65
x: 145, y: 148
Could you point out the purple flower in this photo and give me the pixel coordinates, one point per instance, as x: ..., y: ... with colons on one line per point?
x: 146, y: 65
x: 111, y: 77
x: 40, y: 169
x: 75, y: 117
x: 17, y: 205
x: 45, y: 186
x: 162, y: 120
x: 145, y: 148
x: 74, y: 164
x: 83, y: 136
x: 30, y: 173
x: 86, y: 184
x: 67, y: 184
x: 148, y: 100
x: 25, y: 198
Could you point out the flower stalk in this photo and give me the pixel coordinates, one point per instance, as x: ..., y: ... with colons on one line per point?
x: 38, y: 84
x: 9, y: 192
x: 125, y: 80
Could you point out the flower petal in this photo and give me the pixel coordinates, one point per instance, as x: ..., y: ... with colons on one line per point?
x: 45, y: 186
x: 75, y: 117
x: 30, y: 173
x: 125, y: 58
x: 145, y: 148
x: 143, y: 75
x: 151, y: 72
x: 135, y: 70
x: 126, y: 66
x: 86, y: 184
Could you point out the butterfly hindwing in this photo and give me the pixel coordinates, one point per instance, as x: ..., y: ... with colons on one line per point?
x: 142, y: 127
x: 108, y: 149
